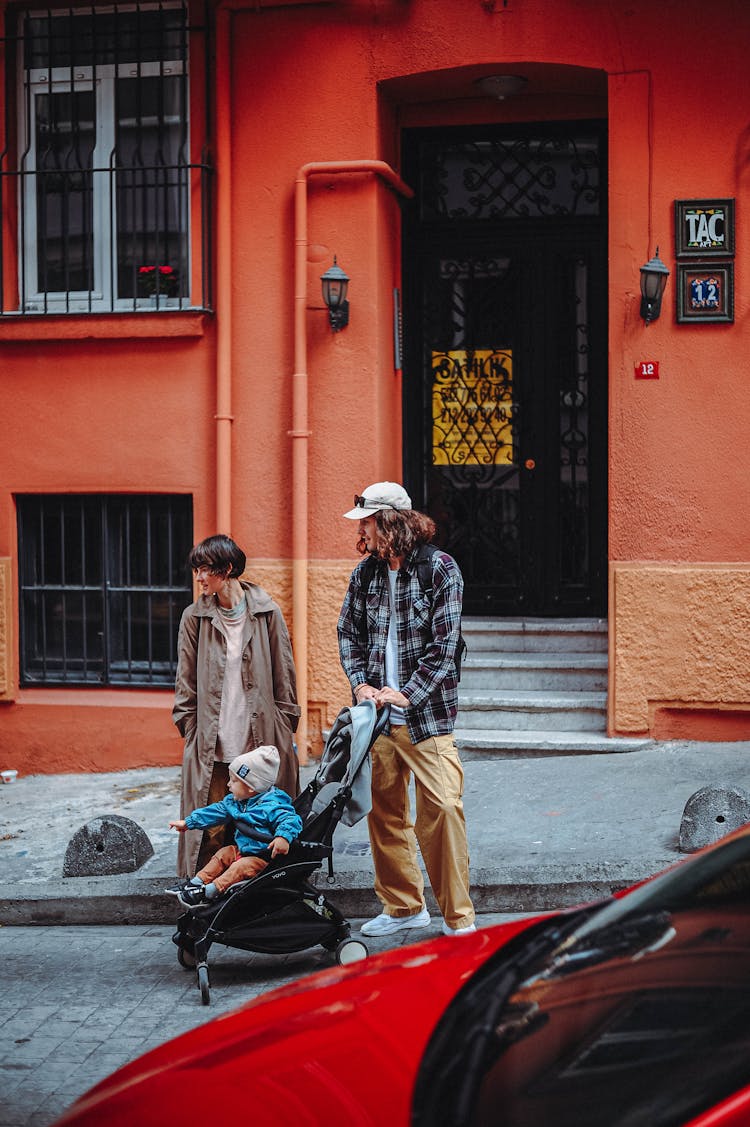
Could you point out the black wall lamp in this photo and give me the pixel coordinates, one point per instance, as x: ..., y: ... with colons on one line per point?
x: 335, y: 283
x: 653, y: 282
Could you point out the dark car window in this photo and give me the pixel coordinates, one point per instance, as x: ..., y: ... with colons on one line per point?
x: 633, y: 1015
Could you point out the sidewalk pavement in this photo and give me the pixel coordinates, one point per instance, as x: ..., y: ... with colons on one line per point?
x: 544, y: 832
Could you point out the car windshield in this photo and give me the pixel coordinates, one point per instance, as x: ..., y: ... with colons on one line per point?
x: 635, y: 1012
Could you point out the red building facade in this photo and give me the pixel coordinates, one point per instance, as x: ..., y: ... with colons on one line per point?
x: 491, y: 176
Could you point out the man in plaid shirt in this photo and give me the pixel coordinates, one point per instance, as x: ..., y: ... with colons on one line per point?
x: 397, y: 644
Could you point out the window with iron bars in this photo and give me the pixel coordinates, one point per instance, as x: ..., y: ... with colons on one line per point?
x: 103, y: 582
x: 112, y: 211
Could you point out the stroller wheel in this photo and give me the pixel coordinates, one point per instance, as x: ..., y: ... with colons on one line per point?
x: 186, y: 958
x: 350, y: 951
x: 204, y: 984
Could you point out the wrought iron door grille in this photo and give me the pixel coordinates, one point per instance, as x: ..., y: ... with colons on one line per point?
x: 103, y: 582
x: 98, y: 169
x: 510, y: 178
x: 574, y: 501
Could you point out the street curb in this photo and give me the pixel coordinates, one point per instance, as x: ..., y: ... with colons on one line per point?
x: 141, y: 900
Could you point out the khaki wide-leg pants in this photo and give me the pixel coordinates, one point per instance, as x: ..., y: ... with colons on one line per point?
x: 440, y: 827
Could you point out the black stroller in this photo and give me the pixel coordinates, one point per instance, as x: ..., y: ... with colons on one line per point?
x: 279, y: 911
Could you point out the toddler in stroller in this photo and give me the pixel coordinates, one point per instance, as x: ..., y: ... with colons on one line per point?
x: 279, y: 910
x: 257, y: 808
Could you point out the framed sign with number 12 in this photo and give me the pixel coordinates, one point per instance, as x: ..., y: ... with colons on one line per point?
x: 705, y: 291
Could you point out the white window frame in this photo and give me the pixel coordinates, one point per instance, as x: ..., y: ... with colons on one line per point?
x: 102, y: 79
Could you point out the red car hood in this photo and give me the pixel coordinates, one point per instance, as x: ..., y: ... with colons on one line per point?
x: 341, y: 1047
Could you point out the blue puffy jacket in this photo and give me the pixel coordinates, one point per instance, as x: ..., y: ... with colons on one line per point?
x: 271, y: 812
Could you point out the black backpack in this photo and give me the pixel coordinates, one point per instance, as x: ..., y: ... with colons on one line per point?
x: 424, y: 575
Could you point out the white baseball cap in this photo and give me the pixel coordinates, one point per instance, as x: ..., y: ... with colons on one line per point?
x: 382, y: 495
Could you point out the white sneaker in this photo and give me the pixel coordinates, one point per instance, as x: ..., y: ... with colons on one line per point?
x: 386, y: 925
x: 458, y: 930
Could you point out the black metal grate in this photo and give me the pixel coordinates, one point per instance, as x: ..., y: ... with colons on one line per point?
x: 511, y: 178
x: 101, y: 176
x: 103, y: 581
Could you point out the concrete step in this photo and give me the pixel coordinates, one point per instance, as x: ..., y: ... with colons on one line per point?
x: 540, y: 635
x: 481, y: 743
x: 564, y: 672
x: 535, y: 687
x: 499, y: 709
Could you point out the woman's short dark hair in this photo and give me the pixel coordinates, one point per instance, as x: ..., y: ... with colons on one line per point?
x: 218, y: 553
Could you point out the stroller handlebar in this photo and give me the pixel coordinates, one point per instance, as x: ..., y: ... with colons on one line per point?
x: 381, y: 723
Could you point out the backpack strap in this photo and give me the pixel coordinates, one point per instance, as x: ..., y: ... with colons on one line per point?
x: 424, y: 567
x: 366, y: 574
x: 424, y: 564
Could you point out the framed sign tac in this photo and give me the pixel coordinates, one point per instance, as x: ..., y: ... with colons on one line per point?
x: 705, y: 291
x: 704, y: 228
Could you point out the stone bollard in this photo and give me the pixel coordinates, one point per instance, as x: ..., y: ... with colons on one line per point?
x: 106, y: 845
x: 710, y: 814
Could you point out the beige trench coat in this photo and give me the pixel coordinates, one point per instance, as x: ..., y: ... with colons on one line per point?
x: 269, y: 680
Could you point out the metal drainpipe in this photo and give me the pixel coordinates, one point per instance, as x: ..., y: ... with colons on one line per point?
x: 223, y: 305
x: 300, y: 433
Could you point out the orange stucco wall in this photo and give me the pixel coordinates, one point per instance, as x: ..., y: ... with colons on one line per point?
x: 678, y: 489
x: 95, y: 406
x: 680, y: 665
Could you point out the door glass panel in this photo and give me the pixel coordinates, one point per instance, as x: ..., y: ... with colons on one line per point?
x: 475, y: 418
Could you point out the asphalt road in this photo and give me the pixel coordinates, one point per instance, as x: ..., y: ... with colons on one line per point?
x: 79, y: 1002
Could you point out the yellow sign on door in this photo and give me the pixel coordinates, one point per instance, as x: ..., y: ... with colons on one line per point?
x: 472, y: 407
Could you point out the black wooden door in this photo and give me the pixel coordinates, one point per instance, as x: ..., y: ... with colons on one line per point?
x: 506, y: 362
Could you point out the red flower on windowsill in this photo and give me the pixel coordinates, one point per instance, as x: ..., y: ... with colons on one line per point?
x: 163, y: 280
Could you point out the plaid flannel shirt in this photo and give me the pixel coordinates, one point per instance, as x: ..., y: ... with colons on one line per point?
x: 427, y: 632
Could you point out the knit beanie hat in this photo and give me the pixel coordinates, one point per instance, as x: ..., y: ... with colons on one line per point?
x: 258, y: 768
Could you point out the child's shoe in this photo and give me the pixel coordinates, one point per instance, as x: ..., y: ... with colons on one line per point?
x: 192, y: 895
x: 176, y: 888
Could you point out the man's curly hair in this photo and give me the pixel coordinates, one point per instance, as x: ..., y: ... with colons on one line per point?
x: 399, y: 532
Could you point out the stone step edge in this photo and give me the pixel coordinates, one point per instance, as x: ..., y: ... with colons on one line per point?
x: 112, y: 900
x: 480, y: 625
x: 484, y: 743
x: 535, y: 659
x: 531, y: 700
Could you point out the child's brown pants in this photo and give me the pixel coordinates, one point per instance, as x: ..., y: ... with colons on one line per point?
x: 227, y: 866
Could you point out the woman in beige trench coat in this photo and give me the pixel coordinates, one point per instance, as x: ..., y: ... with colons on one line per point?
x: 235, y: 688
